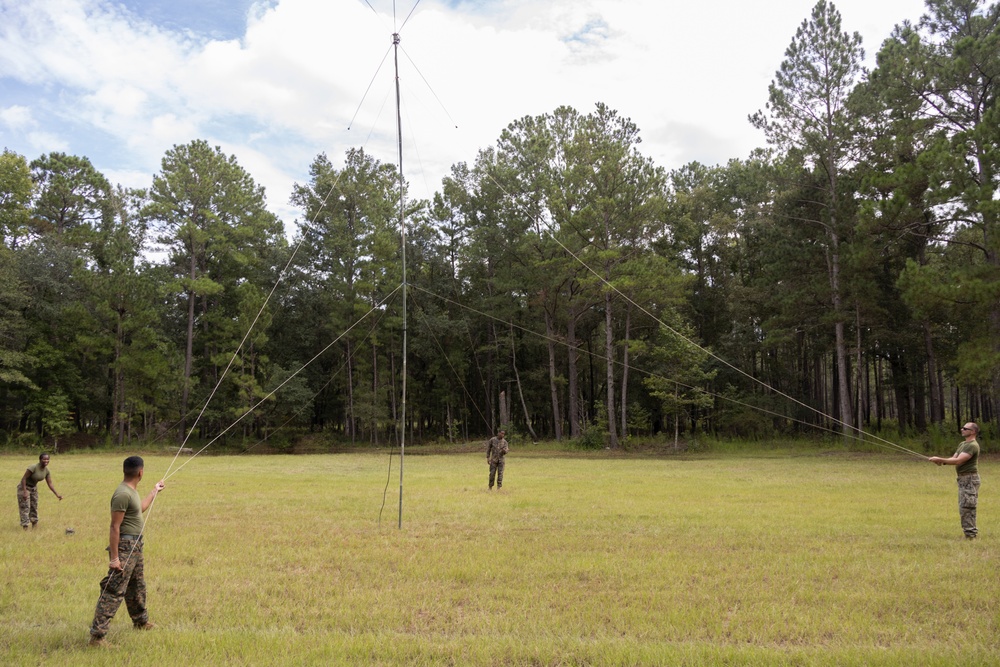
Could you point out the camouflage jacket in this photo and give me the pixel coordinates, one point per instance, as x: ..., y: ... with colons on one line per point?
x: 496, y: 449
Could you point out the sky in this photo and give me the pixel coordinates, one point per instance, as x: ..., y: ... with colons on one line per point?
x: 278, y: 82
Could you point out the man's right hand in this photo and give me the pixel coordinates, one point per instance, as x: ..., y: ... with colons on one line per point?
x: 116, y: 564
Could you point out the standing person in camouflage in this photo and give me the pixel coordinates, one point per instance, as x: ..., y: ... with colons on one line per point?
x: 27, y: 490
x: 966, y: 462
x: 496, y: 450
x: 125, y: 580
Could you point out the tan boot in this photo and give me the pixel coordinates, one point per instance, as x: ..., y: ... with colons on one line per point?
x: 98, y: 642
x: 145, y: 626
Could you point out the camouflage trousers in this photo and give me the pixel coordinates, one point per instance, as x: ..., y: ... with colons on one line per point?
x: 128, y: 585
x: 496, y: 471
x: 968, y: 498
x: 28, y: 507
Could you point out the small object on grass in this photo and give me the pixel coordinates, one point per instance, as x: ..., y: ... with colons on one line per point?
x: 70, y: 531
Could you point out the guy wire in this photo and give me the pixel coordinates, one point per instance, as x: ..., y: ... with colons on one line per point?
x: 614, y: 289
x: 638, y: 369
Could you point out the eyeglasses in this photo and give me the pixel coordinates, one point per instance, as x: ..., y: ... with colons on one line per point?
x: 966, y: 428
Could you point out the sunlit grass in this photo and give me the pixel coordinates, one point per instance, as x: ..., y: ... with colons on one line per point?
x: 820, y: 559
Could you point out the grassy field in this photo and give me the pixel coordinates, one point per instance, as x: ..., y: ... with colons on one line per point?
x: 775, y: 559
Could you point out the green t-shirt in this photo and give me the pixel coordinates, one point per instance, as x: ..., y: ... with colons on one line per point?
x: 972, y: 465
x: 38, y: 473
x: 126, y: 499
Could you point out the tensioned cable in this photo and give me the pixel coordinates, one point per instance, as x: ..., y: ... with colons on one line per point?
x: 365, y: 96
x: 367, y: 2
x: 458, y: 377
x: 325, y: 384
x: 595, y: 355
x: 430, y: 88
x: 643, y: 371
x: 250, y: 329
x: 148, y: 513
x: 406, y: 20
x: 681, y: 336
x: 416, y: 150
x: 149, y: 510
x: 286, y: 380
x: 320, y: 209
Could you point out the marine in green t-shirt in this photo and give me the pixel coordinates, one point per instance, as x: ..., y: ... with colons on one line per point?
x: 37, y: 473
x: 971, y: 464
x: 27, y: 490
x: 126, y: 499
x: 966, y: 462
x: 126, y: 571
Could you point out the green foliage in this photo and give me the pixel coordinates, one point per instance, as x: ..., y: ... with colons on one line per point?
x: 72, y: 198
x: 224, y: 247
x: 593, y: 436
x: 16, y: 191
x: 851, y: 266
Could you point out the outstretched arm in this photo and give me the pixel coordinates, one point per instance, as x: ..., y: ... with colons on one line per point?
x: 148, y: 500
x: 951, y: 461
x: 48, y: 481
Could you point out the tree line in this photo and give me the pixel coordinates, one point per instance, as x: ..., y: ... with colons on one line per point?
x: 561, y: 284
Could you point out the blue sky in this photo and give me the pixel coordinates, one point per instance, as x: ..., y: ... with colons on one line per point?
x: 215, y: 19
x: 276, y: 82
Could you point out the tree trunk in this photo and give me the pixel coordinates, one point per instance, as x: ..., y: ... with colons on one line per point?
x: 520, y: 393
x: 859, y: 368
x: 609, y: 352
x: 375, y: 410
x: 188, y: 354
x: 504, y: 411
x: 628, y: 325
x: 448, y: 427
x: 553, y: 385
x: 573, y: 389
x: 350, y: 393
x: 843, y: 372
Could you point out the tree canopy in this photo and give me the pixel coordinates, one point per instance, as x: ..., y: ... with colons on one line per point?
x: 560, y: 283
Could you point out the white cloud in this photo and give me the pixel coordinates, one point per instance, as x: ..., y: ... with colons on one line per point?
x: 46, y: 142
x: 687, y: 74
x: 17, y: 117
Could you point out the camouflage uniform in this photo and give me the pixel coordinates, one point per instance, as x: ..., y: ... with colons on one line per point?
x: 968, y: 498
x: 27, y: 507
x: 968, y: 487
x: 496, y: 450
x: 128, y: 585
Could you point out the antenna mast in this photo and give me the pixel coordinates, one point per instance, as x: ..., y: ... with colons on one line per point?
x: 402, y: 232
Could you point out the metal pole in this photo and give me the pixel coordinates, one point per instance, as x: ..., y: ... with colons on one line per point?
x: 402, y: 233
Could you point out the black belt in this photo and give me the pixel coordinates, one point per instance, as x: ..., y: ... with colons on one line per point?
x: 966, y: 474
x: 127, y: 536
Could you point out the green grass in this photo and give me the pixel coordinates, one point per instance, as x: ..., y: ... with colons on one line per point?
x: 778, y: 559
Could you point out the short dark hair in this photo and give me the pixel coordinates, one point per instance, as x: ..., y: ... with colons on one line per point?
x: 42, y: 455
x: 132, y: 466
